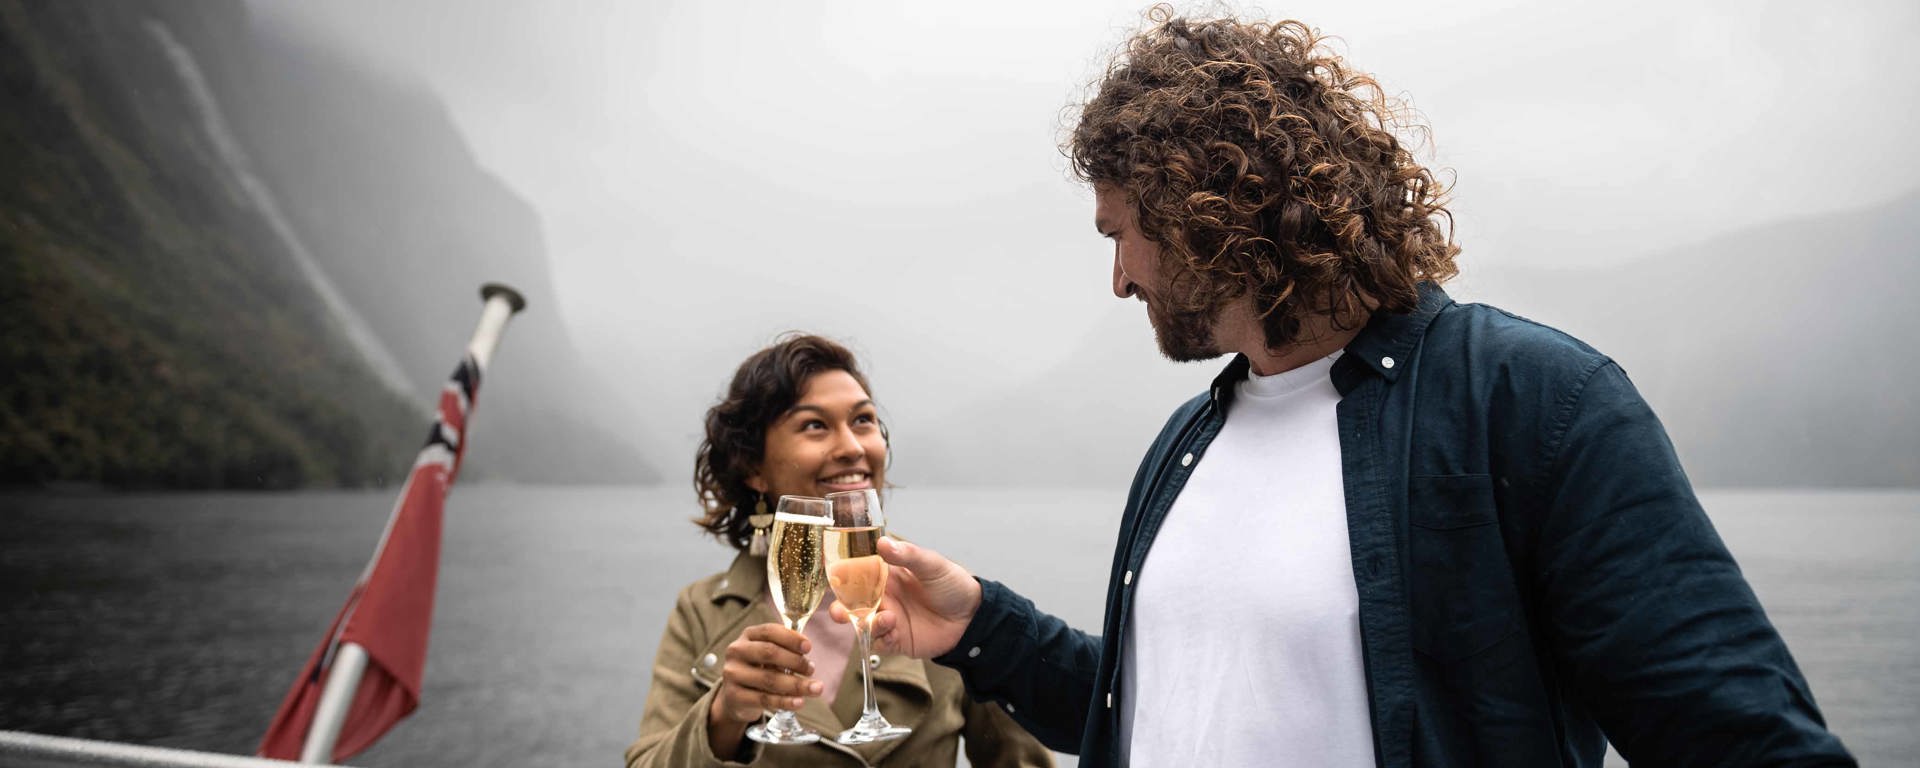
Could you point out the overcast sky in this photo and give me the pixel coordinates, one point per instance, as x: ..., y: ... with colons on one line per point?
x: 889, y: 172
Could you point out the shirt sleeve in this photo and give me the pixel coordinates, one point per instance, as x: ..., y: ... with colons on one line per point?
x: 1649, y: 617
x: 1013, y: 653
x: 994, y: 740
x: 673, y: 726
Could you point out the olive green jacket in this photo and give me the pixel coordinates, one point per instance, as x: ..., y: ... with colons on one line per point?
x: 711, y: 613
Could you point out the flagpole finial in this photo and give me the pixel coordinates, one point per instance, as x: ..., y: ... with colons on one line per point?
x: 513, y: 297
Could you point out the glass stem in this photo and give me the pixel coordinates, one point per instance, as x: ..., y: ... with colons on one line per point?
x: 783, y: 720
x: 865, y: 630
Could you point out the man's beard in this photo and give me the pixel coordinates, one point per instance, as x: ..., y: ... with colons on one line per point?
x: 1184, y: 335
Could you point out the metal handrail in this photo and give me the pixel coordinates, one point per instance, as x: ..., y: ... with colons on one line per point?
x: 32, y: 750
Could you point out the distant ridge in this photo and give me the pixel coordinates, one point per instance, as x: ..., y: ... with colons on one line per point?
x: 1781, y: 356
x: 160, y: 331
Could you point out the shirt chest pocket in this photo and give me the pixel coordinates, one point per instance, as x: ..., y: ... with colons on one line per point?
x: 1460, y: 583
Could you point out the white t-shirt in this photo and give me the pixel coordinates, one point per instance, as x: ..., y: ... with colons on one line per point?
x: 1244, y: 645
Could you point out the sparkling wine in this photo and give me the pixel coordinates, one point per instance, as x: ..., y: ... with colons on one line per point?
x: 854, y: 568
x: 793, y: 566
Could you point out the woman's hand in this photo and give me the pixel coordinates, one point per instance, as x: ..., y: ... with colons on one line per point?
x: 928, y: 604
x: 766, y: 669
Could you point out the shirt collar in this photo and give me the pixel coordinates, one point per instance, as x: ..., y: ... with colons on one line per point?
x: 1387, y: 342
x: 1382, y: 348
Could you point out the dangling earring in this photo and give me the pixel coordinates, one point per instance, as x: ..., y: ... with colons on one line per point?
x: 760, y: 521
x: 887, y: 440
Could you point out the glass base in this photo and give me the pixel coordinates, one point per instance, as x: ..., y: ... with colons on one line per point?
x: 871, y: 729
x: 782, y: 729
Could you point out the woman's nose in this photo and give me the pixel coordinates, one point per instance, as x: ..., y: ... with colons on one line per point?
x: 846, y: 444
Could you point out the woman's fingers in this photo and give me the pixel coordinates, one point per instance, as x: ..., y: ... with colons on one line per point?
x: 771, y: 681
x: 766, y: 669
x: 778, y: 635
x: 746, y: 705
x: 772, y: 645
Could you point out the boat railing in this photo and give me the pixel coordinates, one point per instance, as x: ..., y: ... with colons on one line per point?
x: 32, y: 750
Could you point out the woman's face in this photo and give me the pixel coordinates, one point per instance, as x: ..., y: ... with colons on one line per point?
x: 827, y: 442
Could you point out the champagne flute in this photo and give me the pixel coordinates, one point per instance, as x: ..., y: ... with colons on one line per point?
x: 859, y: 578
x: 798, y: 582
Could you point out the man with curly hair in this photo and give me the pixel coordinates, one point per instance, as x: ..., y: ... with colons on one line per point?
x: 1398, y: 530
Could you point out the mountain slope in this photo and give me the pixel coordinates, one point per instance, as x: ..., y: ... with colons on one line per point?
x: 152, y: 333
x: 244, y: 261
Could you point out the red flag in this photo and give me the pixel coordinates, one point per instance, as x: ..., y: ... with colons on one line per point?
x: 391, y: 608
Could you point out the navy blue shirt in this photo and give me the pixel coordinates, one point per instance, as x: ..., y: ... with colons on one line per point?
x: 1535, y: 575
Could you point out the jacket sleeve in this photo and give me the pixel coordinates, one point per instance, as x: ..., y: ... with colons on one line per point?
x: 994, y: 740
x: 1012, y: 653
x: 673, y: 726
x: 1649, y: 618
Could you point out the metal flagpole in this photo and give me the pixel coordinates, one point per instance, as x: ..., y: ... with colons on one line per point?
x: 350, y: 660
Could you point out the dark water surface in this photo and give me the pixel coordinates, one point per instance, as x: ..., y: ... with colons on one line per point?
x: 180, y: 620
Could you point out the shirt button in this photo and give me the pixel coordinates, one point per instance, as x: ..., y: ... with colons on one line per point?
x: 974, y: 652
x: 1126, y: 578
x: 1009, y: 706
x: 709, y: 660
x: 1386, y: 362
x: 1109, y: 699
x: 1186, y: 460
x: 874, y: 661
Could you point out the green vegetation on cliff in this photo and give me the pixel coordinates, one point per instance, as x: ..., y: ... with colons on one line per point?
x: 152, y: 331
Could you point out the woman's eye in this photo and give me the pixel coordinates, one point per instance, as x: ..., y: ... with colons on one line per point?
x: 813, y: 424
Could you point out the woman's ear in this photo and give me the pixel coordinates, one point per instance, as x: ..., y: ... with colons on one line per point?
x: 757, y: 484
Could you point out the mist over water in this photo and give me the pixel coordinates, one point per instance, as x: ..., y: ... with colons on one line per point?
x: 673, y: 185
x: 258, y: 194
x: 180, y: 620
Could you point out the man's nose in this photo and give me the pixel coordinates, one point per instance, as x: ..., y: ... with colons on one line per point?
x: 1122, y: 287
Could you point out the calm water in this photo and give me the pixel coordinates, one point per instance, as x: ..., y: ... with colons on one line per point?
x: 180, y: 620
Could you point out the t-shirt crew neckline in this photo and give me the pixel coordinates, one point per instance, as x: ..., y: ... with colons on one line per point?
x: 1288, y: 382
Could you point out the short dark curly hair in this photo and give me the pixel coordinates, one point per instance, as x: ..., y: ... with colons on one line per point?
x: 765, y: 386
x: 1257, y: 160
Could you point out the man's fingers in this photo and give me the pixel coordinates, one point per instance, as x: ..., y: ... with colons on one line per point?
x: 926, y: 565
x: 883, y: 623
x: 908, y: 556
x: 838, y: 612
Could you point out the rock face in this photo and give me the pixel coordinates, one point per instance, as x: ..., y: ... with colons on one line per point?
x: 234, y: 261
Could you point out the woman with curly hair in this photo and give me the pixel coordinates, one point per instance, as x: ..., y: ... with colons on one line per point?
x: 797, y: 419
x: 1396, y: 530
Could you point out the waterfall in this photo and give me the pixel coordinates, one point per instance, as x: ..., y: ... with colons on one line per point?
x: 256, y: 193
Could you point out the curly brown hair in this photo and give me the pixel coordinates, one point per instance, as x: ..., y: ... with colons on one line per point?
x: 765, y: 386
x: 1255, y: 158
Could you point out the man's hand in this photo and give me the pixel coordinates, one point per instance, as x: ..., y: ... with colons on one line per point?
x: 928, y: 604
